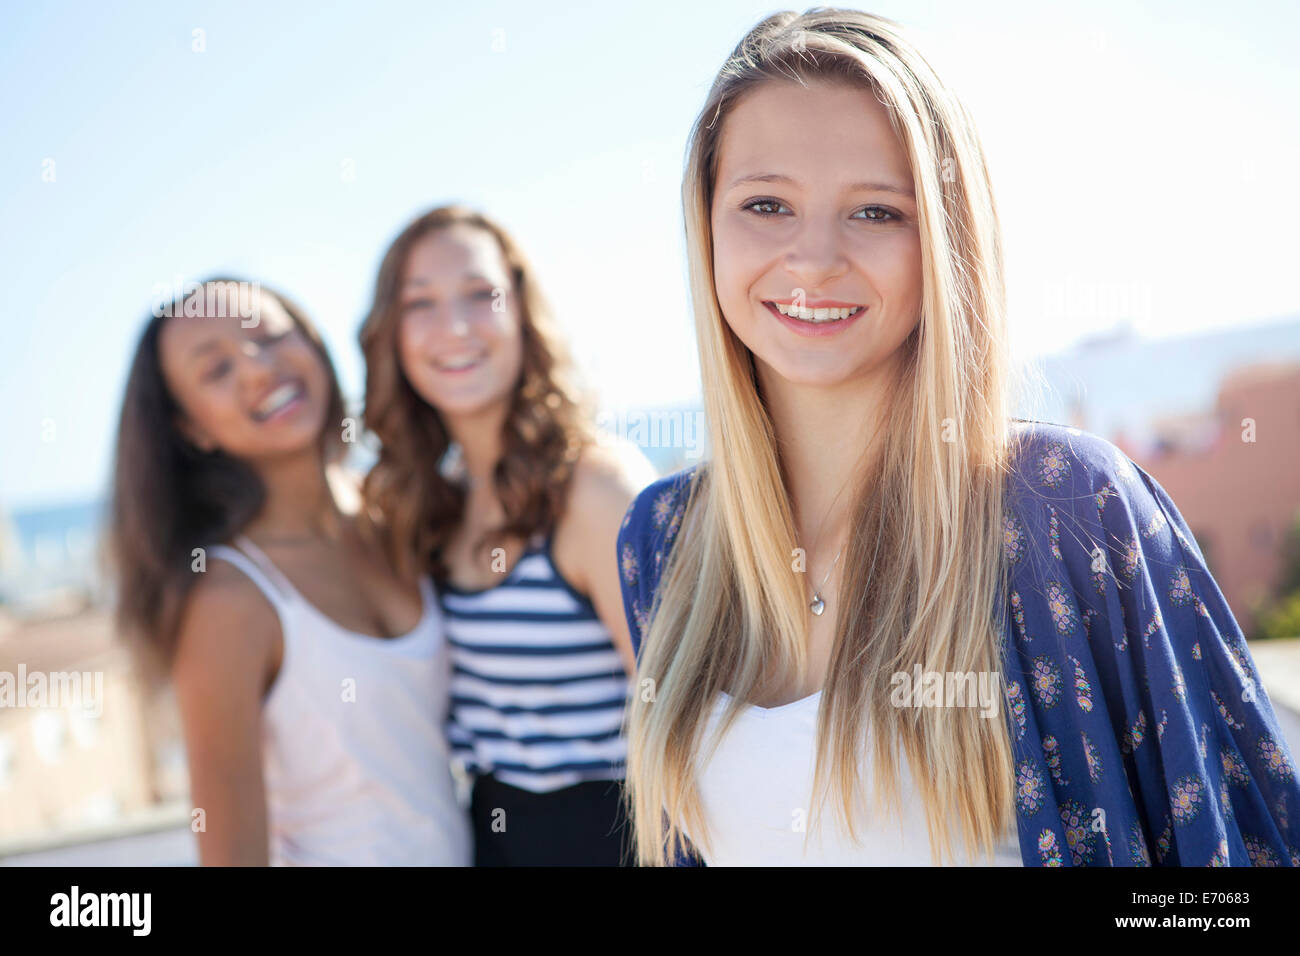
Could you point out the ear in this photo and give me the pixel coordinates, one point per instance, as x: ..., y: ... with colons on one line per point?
x: 193, y: 434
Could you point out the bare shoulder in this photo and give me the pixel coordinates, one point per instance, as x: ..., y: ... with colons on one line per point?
x: 610, y: 471
x: 606, y: 478
x: 226, y: 620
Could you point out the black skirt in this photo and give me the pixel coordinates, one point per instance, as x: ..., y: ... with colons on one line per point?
x: 581, y: 825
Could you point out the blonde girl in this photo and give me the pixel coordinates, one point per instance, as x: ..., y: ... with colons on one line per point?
x: 822, y: 606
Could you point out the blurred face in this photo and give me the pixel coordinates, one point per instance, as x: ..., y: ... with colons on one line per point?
x: 814, y: 207
x: 459, y: 338
x: 255, y: 393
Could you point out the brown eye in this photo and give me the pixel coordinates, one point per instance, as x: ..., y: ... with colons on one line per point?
x: 217, y: 371
x: 888, y: 215
x: 765, y: 207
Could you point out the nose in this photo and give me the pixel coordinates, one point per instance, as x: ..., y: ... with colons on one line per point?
x: 257, y: 366
x: 816, y: 253
x: 451, y: 321
x: 458, y: 317
x: 444, y: 320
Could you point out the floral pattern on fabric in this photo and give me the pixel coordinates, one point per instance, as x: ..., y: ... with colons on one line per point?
x: 1110, y: 608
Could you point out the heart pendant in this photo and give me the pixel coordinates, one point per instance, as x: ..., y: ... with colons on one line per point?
x: 817, y: 605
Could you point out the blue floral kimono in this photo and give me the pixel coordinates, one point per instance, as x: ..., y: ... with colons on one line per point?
x: 1140, y: 729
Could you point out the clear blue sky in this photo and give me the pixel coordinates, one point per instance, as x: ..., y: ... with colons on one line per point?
x: 1144, y: 158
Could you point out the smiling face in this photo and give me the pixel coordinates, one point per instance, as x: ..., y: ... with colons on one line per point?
x: 255, y: 393
x: 813, y: 206
x: 459, y: 338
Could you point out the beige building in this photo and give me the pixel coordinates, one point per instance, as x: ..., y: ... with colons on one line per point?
x: 96, y: 755
x: 1235, y: 475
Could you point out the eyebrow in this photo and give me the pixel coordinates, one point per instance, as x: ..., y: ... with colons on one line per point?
x: 470, y: 277
x: 853, y: 187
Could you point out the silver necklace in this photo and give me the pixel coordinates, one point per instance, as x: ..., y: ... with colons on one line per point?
x: 818, y: 605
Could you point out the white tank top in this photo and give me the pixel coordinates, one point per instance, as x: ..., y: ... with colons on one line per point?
x: 757, y: 793
x: 355, y: 758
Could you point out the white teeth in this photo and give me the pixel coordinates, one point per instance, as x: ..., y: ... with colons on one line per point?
x: 816, y: 315
x: 279, y: 398
x: 462, y: 363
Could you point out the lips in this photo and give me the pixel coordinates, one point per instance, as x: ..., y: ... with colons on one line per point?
x: 814, y: 302
x: 810, y: 313
x: 280, y: 398
x: 459, y: 363
x: 847, y: 313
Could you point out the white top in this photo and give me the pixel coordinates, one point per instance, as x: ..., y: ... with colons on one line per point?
x: 757, y: 794
x: 355, y: 759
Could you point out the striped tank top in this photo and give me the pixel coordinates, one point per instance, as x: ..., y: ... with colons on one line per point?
x: 538, y: 689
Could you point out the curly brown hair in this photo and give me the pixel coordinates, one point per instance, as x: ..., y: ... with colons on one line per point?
x: 549, y: 423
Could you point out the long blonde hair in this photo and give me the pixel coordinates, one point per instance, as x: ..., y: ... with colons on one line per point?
x: 928, y: 516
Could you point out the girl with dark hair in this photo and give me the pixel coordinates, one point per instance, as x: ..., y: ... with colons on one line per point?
x: 311, y: 675
x: 518, y: 526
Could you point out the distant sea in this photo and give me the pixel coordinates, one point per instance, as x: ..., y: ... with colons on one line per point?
x: 56, y: 521
x: 50, y: 547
